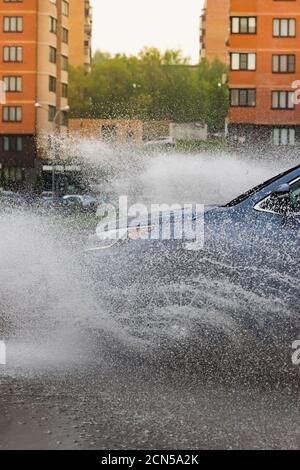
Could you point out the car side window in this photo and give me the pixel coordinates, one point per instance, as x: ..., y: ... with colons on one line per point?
x: 295, y: 197
x: 283, y: 206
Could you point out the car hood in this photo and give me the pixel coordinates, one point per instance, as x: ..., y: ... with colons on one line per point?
x: 144, y: 220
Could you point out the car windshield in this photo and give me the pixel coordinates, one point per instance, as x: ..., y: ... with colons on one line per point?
x: 254, y: 190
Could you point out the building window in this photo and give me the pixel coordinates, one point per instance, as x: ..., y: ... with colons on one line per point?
x: 12, y: 143
x: 283, y: 100
x: 64, y: 90
x: 64, y: 63
x: 65, y: 8
x: 283, y: 27
x: 65, y: 35
x: 283, y: 136
x: 12, y: 54
x: 53, y: 25
x: 13, y: 24
x: 12, y: 114
x: 242, y: 61
x: 284, y: 63
x: 64, y: 118
x: 52, y: 55
x: 244, y: 97
x: 12, y: 174
x: 243, y: 25
x: 52, y: 84
x: 51, y: 113
x: 13, y: 84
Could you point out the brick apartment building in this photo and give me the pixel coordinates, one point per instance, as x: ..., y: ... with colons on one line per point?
x: 264, y: 51
x: 80, y: 26
x: 34, y: 68
x: 214, y: 30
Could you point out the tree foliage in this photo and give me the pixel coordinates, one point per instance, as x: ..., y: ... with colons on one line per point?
x: 151, y: 85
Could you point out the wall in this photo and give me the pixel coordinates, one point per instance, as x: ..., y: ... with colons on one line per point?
x: 215, y: 30
x: 126, y: 131
x: 188, y: 131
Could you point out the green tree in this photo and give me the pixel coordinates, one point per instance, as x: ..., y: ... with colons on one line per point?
x: 215, y: 93
x: 79, y: 92
x: 151, y: 85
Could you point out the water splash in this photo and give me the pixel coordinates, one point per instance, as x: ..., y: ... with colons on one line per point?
x: 177, y: 177
x: 49, y: 298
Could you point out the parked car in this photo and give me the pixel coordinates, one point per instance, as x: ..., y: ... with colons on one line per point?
x: 47, y: 195
x: 159, y: 143
x: 85, y: 201
x: 12, y: 199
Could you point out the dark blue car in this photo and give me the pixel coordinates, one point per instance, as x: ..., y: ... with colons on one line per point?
x: 238, y: 292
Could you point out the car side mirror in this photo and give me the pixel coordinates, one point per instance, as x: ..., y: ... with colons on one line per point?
x: 282, y: 192
x: 281, y: 198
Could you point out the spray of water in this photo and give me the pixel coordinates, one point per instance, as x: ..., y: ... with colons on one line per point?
x: 47, y: 303
x: 48, y: 300
x: 176, y: 177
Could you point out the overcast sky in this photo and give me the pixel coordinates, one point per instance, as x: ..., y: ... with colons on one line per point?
x: 129, y: 25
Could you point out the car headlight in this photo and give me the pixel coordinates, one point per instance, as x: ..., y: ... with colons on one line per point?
x: 139, y: 232
x: 106, y: 239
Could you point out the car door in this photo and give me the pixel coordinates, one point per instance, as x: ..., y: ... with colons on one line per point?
x: 276, y: 247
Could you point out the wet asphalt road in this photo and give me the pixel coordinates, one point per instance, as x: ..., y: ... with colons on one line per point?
x: 99, y: 407
x: 114, y: 402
